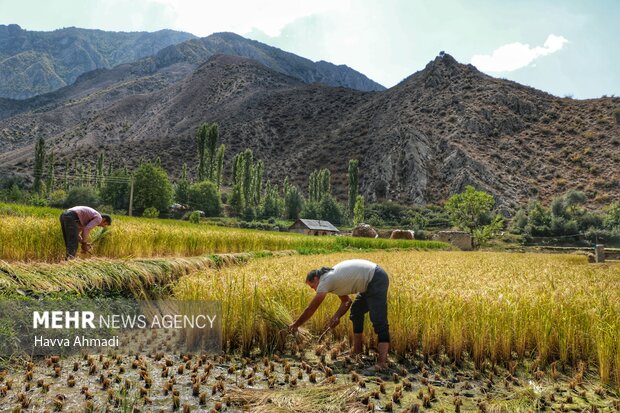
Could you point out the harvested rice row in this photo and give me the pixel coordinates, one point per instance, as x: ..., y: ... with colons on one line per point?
x: 137, y: 276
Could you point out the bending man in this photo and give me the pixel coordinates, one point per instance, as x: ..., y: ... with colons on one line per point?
x: 76, y: 224
x: 371, y: 283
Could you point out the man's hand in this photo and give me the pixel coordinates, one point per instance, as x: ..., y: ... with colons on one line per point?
x: 86, y: 247
x: 293, y: 328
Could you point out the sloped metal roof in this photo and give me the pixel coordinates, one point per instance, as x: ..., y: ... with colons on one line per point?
x: 319, y: 225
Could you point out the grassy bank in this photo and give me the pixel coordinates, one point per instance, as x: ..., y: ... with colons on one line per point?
x: 33, y: 234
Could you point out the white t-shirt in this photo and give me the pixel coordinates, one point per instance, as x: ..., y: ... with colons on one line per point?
x: 347, y: 277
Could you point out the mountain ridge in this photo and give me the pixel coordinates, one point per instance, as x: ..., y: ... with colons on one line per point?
x: 440, y: 129
x: 36, y: 62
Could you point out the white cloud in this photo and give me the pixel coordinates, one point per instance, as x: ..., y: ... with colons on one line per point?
x: 203, y: 17
x: 516, y: 55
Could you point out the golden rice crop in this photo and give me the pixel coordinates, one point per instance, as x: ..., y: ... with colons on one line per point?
x: 491, y: 306
x: 34, y: 234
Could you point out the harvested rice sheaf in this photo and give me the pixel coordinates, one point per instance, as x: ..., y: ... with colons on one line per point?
x: 278, y: 317
x: 328, y: 399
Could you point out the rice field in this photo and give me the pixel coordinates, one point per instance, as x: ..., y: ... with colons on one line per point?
x: 33, y: 234
x: 493, y: 308
x: 470, y: 331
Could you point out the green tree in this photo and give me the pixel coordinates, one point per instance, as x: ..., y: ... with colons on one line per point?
x: 65, y: 184
x: 205, y: 197
x: 49, y: 181
x: 612, y: 216
x: 257, y: 183
x: 212, y: 138
x: 236, y: 201
x: 82, y: 195
x: 39, y: 160
x: 358, y: 210
x: 330, y: 210
x: 293, y: 202
x: 115, y: 190
x: 483, y: 233
x: 325, y: 187
x: 353, y: 184
x: 272, y: 204
x: 152, y: 188
x: 206, y: 141
x: 311, y: 210
x: 182, y: 189
x: 99, y: 170
x: 319, y: 185
x: 471, y: 211
x: 201, y: 144
x: 219, y: 165
x: 568, y: 217
x: 247, y: 174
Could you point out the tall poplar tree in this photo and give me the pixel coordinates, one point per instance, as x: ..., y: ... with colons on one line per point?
x: 39, y: 160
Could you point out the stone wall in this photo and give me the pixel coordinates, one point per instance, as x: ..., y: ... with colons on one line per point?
x: 459, y: 239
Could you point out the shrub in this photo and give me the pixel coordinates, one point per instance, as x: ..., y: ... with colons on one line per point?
x: 38, y: 200
x: 105, y: 209
x: 205, y: 196
x: 150, y: 212
x: 194, y: 217
x: 82, y: 195
x: 57, y: 198
x: 14, y: 194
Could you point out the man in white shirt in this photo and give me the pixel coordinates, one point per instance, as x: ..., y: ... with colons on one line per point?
x: 371, y: 283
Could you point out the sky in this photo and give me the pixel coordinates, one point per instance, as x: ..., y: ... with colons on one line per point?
x: 564, y: 47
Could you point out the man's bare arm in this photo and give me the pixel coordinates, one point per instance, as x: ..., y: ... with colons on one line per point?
x: 310, y: 310
x: 345, y: 304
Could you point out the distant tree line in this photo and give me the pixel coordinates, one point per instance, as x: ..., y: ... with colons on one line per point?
x: 249, y: 197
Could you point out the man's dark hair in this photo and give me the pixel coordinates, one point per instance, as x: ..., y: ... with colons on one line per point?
x: 317, y: 273
x: 107, y: 218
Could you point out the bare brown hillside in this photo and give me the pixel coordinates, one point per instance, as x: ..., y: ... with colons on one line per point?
x: 442, y: 128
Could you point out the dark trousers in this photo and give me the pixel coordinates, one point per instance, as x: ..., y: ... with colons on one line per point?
x: 373, y: 301
x: 69, y: 223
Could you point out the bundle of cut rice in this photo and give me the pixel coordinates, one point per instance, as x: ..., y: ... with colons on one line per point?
x: 276, y: 315
x: 307, y: 399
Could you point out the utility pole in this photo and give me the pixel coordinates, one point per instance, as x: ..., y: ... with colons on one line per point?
x: 131, y: 197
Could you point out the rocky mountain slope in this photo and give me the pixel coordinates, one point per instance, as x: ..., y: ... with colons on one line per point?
x: 442, y: 128
x: 32, y: 62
